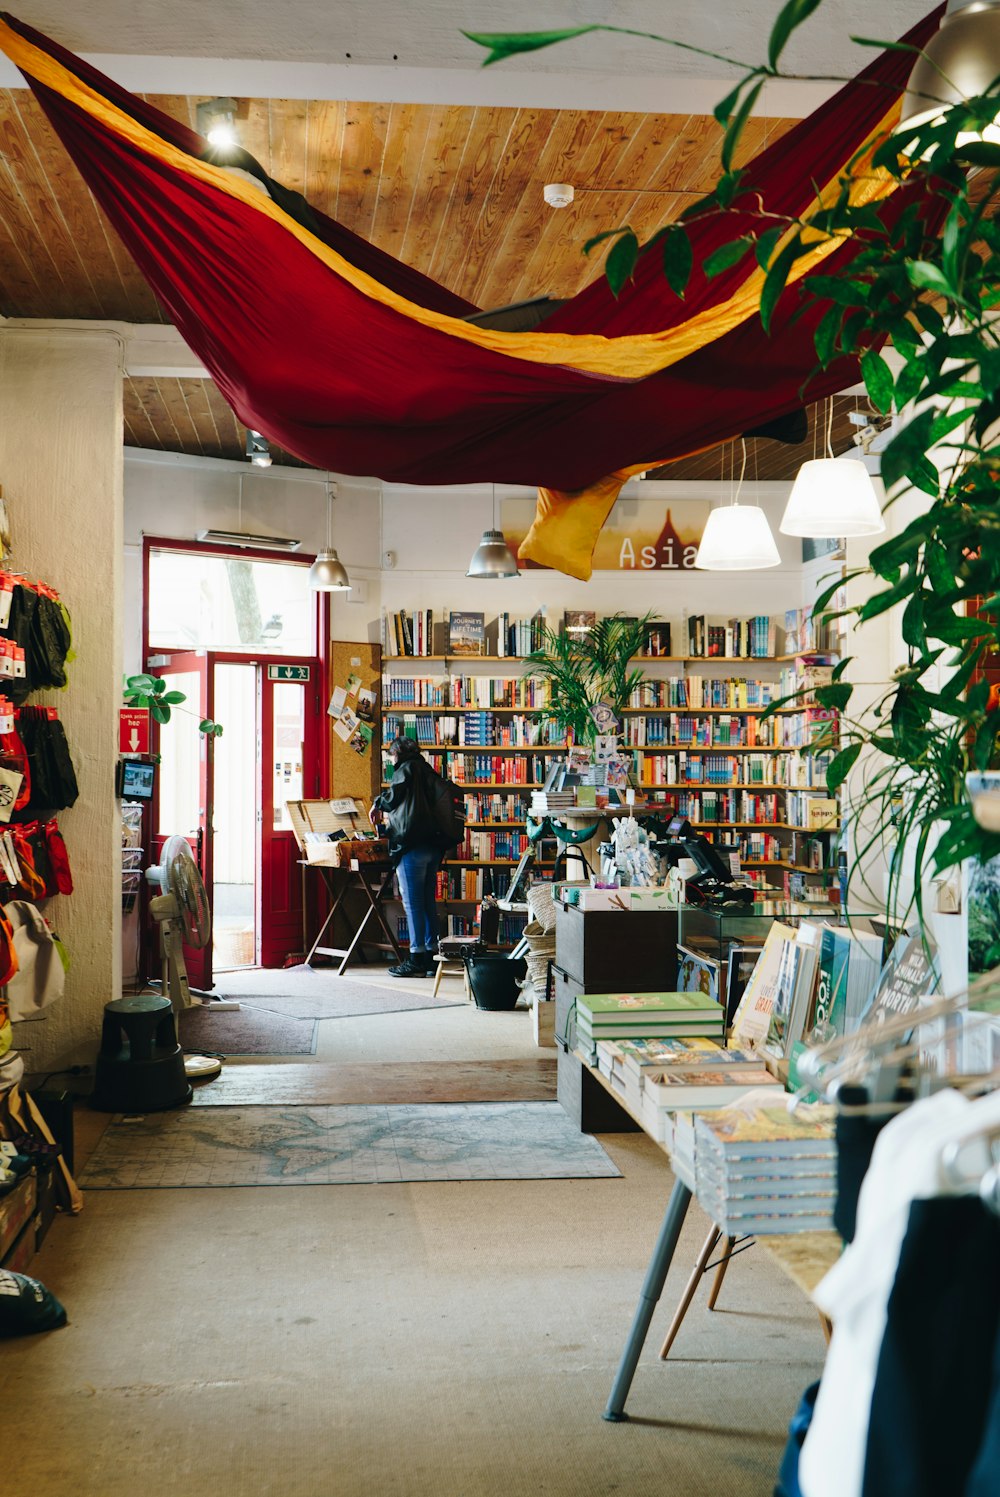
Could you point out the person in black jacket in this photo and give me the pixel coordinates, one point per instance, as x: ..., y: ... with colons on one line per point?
x: 415, y: 850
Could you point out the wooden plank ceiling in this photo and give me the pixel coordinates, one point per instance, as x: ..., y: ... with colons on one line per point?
x: 454, y: 191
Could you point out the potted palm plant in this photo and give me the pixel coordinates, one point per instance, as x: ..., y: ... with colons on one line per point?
x: 589, y: 669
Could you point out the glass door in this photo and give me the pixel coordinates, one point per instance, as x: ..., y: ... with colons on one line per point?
x: 291, y: 719
x: 185, y: 782
x: 234, y: 823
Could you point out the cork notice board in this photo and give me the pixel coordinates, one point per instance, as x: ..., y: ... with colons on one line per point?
x: 350, y: 773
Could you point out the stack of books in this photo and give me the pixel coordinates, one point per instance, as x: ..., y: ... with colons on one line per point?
x: 622, y: 1016
x: 695, y: 1089
x: 761, y: 1170
x: 627, y: 1062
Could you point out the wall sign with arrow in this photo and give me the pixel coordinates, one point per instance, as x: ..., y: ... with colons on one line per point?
x: 133, y: 730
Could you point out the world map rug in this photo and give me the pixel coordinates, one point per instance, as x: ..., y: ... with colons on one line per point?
x: 229, y: 1146
x: 307, y: 993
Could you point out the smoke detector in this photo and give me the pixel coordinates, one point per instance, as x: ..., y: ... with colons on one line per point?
x: 558, y: 194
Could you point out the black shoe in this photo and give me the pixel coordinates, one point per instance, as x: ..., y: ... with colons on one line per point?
x: 412, y: 967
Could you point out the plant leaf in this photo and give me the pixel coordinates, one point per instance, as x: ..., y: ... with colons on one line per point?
x: 725, y: 256
x: 501, y: 44
x: 878, y: 379
x: 841, y: 765
x: 791, y: 15
x: 621, y: 261
x: 678, y: 258
x: 173, y: 698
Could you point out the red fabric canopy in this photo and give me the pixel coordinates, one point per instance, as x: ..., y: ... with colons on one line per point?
x: 355, y: 382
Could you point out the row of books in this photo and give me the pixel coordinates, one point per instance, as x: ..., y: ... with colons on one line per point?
x: 487, y: 769
x: 481, y: 807
x: 708, y: 732
x: 715, y: 805
x: 476, y: 730
x: 408, y: 633
x: 754, y: 637
x: 815, y: 726
x: 464, y: 691
x: 805, y: 631
x: 470, y: 884
x: 510, y: 930
x: 658, y: 1077
x: 684, y: 768
x: 489, y: 845
x: 735, y: 692
x: 811, y: 813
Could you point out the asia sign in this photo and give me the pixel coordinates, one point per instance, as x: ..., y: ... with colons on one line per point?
x: 640, y: 534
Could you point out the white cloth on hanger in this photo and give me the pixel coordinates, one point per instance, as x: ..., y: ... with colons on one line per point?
x: 905, y: 1166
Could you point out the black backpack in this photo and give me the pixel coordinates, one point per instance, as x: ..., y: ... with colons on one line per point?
x: 446, y: 804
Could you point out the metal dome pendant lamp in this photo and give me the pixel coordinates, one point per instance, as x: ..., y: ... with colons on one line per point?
x: 493, y: 559
x: 832, y: 497
x: 328, y: 573
x: 960, y: 62
x: 737, y: 537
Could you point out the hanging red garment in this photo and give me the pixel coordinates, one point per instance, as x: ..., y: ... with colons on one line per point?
x: 359, y: 364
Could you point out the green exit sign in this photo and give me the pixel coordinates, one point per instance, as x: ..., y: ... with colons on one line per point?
x: 288, y: 672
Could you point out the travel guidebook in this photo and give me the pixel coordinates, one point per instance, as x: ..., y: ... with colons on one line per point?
x: 753, y: 1017
x: 466, y: 633
x: 769, y: 1131
x: 702, y: 1086
x: 607, y: 1008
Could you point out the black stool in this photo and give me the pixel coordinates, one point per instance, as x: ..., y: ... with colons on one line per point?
x: 140, y: 1066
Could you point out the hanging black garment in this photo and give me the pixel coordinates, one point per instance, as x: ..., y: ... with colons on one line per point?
x: 933, y: 1380
x: 856, y: 1135
x: 985, y: 1478
x: 53, y: 779
x: 23, y: 607
x: 48, y: 645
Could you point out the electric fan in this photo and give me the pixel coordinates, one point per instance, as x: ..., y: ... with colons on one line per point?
x: 182, y: 911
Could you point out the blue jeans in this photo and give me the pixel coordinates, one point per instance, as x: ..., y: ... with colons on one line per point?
x: 417, y: 875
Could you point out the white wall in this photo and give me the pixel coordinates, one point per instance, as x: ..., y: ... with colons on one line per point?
x: 433, y: 535
x: 61, y: 462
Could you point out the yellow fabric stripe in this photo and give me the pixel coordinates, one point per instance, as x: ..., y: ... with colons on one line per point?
x: 630, y: 358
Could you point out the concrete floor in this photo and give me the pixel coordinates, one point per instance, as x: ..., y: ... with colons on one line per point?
x: 431, y: 1340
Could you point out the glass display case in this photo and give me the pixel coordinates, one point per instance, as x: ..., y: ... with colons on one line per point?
x: 717, y: 948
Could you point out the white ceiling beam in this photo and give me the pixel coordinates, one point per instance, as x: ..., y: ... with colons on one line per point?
x: 247, y: 78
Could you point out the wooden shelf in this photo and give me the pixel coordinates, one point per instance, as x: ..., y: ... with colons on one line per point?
x: 708, y: 748
x: 493, y: 862
x: 476, y: 825
x: 496, y: 748
x: 411, y: 709
x: 706, y: 711
x: 473, y: 785
x: 761, y: 785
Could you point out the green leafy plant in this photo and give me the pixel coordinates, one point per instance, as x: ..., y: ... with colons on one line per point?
x: 925, y: 279
x: 153, y: 692
x: 584, y: 670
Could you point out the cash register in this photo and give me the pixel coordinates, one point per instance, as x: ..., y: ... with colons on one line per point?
x: 712, y: 883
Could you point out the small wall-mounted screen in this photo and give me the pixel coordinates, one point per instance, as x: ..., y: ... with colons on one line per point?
x: 137, y: 780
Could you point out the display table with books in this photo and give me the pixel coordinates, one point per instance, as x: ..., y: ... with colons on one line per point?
x: 756, y: 1169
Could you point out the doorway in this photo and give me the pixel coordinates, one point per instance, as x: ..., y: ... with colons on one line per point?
x: 228, y: 795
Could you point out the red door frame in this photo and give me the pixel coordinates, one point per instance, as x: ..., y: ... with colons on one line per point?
x: 321, y: 659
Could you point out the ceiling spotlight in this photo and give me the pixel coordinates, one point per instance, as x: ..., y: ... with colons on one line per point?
x: 258, y: 450
x: 558, y: 194
x: 217, y: 122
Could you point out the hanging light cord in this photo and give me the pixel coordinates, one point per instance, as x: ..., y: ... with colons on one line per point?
x: 329, y: 513
x: 743, y: 469
x: 829, y: 426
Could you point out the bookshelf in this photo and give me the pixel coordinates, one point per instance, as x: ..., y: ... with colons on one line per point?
x: 695, y: 731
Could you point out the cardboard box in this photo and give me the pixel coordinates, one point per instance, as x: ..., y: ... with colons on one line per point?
x: 653, y: 897
x: 16, y: 1209
x: 604, y: 899
x: 543, y: 1023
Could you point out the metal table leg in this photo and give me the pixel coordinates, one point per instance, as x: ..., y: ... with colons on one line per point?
x: 652, y: 1288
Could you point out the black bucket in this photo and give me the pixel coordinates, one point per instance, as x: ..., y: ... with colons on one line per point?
x: 494, y: 979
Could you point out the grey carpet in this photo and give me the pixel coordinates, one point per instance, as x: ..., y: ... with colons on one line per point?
x: 245, y: 1031
x: 307, y: 993
x: 350, y: 1145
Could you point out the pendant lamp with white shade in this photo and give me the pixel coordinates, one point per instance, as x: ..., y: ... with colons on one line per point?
x: 832, y: 497
x: 328, y: 573
x: 737, y: 537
